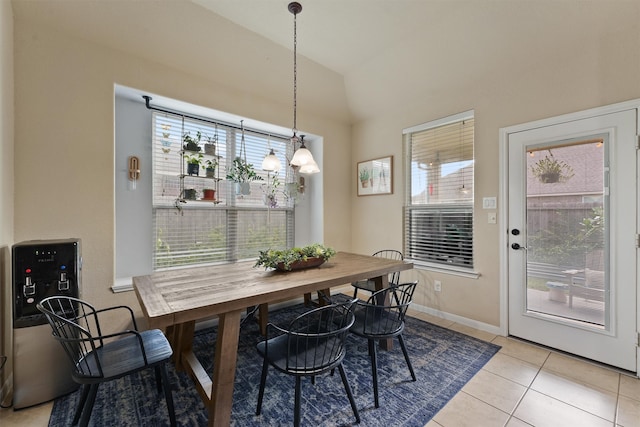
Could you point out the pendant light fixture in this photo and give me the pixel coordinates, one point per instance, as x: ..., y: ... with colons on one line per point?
x: 310, y: 166
x: 270, y: 163
x: 302, y: 157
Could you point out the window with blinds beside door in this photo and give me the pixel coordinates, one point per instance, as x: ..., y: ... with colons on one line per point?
x: 438, y: 212
x: 231, y: 227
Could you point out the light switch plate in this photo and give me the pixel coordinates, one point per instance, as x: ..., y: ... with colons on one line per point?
x: 489, y: 203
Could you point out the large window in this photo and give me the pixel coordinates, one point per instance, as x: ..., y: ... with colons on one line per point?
x: 438, y: 213
x: 227, y: 227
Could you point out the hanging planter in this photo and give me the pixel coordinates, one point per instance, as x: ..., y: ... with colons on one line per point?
x: 550, y: 170
x: 243, y: 188
x: 241, y: 172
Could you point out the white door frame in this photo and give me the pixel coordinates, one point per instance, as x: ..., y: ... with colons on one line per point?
x: 504, y: 202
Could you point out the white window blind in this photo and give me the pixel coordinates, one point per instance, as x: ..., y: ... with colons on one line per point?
x: 438, y: 218
x: 232, y: 227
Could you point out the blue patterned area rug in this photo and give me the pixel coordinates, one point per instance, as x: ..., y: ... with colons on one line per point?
x: 444, y: 361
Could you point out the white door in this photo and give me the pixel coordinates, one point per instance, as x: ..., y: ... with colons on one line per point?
x: 572, y: 256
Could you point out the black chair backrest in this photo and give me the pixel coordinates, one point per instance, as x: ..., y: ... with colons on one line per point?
x: 394, y: 277
x: 75, y: 325
x: 384, y: 312
x: 315, y: 339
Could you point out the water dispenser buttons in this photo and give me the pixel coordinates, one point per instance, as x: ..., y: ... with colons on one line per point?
x: 29, y: 288
x: 63, y: 282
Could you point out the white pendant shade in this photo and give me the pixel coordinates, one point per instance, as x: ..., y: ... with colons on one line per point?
x: 301, y: 157
x: 310, y: 167
x: 271, y: 163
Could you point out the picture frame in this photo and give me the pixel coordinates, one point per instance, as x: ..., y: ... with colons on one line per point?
x: 375, y: 177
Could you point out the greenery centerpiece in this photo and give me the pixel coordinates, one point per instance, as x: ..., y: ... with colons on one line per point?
x: 291, y: 259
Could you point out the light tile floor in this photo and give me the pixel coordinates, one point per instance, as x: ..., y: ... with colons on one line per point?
x: 522, y: 385
x: 527, y: 385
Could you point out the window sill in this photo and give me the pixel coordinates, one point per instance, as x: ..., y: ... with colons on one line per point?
x: 440, y: 268
x: 123, y: 284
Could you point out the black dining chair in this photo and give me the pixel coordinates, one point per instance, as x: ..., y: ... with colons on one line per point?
x: 370, y: 285
x: 98, y: 356
x: 312, y: 344
x: 381, y: 317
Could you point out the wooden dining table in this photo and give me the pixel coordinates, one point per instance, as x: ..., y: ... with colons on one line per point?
x: 175, y: 300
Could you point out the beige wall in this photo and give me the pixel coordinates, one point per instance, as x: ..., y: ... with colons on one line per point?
x: 512, y: 62
x: 597, y: 64
x: 6, y: 182
x: 65, y: 138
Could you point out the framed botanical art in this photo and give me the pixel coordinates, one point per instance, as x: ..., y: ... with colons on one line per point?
x: 375, y: 176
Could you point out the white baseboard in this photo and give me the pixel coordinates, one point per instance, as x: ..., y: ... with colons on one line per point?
x: 122, y: 284
x: 458, y: 319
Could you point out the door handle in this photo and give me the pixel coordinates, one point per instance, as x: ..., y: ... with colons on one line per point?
x: 517, y: 246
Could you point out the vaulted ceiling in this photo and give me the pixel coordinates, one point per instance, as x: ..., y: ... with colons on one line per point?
x: 387, y: 52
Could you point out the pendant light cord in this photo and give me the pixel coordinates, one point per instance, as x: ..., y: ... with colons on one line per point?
x: 295, y: 72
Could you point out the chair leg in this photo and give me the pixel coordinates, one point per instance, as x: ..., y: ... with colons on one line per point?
x: 349, y: 393
x: 83, y: 399
x: 374, y: 371
x: 158, y: 378
x: 88, y: 406
x: 263, y: 380
x: 406, y: 356
x: 167, y: 394
x: 296, y: 409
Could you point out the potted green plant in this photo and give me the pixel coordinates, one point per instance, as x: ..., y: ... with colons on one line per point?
x: 550, y: 170
x: 296, y: 258
x: 210, y: 146
x: 193, y: 164
x: 271, y: 190
x: 210, y: 168
x: 242, y: 173
x: 191, y: 143
x: 190, y: 194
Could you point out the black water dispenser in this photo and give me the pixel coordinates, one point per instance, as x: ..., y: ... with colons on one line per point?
x: 41, y: 268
